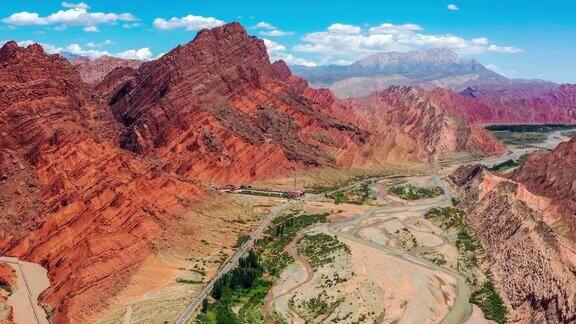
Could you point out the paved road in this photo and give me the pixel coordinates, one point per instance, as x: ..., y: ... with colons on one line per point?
x: 31, y: 281
x: 232, y: 260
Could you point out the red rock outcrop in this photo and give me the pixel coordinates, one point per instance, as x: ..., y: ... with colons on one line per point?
x: 216, y: 109
x: 521, y: 105
x: 438, y: 126
x: 531, y: 263
x: 87, y: 211
x: 553, y: 175
x: 93, y: 71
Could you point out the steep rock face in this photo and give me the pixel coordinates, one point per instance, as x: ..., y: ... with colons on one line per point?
x: 441, y: 128
x: 93, y: 71
x: 532, y: 266
x: 216, y: 108
x: 85, y: 210
x: 553, y: 175
x: 529, y: 104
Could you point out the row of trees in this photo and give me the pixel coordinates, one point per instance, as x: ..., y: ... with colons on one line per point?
x: 244, y: 275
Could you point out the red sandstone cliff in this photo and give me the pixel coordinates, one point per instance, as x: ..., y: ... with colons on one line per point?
x: 438, y: 126
x: 520, y: 105
x: 216, y: 109
x: 532, y: 263
x: 553, y: 175
x: 70, y: 199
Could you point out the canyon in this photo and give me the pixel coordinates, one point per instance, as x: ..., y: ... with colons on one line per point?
x: 108, y: 165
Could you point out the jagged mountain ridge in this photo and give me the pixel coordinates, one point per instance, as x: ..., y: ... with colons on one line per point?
x: 71, y: 200
x: 206, y: 107
x: 431, y: 68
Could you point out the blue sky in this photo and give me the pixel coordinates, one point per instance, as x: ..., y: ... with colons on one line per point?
x: 529, y: 39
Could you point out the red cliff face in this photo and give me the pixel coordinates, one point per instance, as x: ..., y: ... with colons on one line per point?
x: 217, y: 109
x: 70, y: 199
x: 553, y: 175
x: 437, y: 126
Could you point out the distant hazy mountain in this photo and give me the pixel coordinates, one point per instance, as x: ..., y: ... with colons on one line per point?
x: 71, y: 56
x: 431, y: 68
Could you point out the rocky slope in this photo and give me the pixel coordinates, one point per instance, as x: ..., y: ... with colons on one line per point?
x: 93, y: 71
x: 437, y: 125
x: 553, y: 175
x: 93, y: 183
x: 532, y: 265
x: 7, y: 281
x: 70, y: 199
x: 216, y: 108
x: 535, y: 104
x: 431, y: 68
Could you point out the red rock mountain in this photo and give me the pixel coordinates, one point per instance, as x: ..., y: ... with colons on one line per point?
x: 438, y: 125
x: 523, y: 105
x: 93, y: 71
x: 553, y: 175
x: 71, y: 200
x: 90, y: 183
x: 216, y: 108
x: 531, y: 259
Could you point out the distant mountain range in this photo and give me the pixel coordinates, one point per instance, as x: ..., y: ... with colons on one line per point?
x: 439, y: 67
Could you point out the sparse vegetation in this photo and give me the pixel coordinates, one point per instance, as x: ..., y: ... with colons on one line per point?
x: 358, y: 195
x: 241, y: 240
x: 509, y: 164
x: 541, y: 128
x: 487, y: 298
x: 525, y: 134
x: 484, y: 295
x: 413, y: 192
x: 245, y: 287
x: 320, y: 249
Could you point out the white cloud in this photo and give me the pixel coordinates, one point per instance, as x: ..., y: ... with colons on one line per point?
x: 91, y: 29
x: 75, y: 15
x: 264, y: 25
x: 104, y: 43
x: 189, y: 22
x: 270, y: 30
x: 135, y: 54
x: 349, y: 42
x: 131, y: 25
x: 278, y: 52
x: 139, y: 54
x: 344, y: 29
x: 25, y: 18
x: 80, y: 5
x: 453, y: 7
x: 275, y: 33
